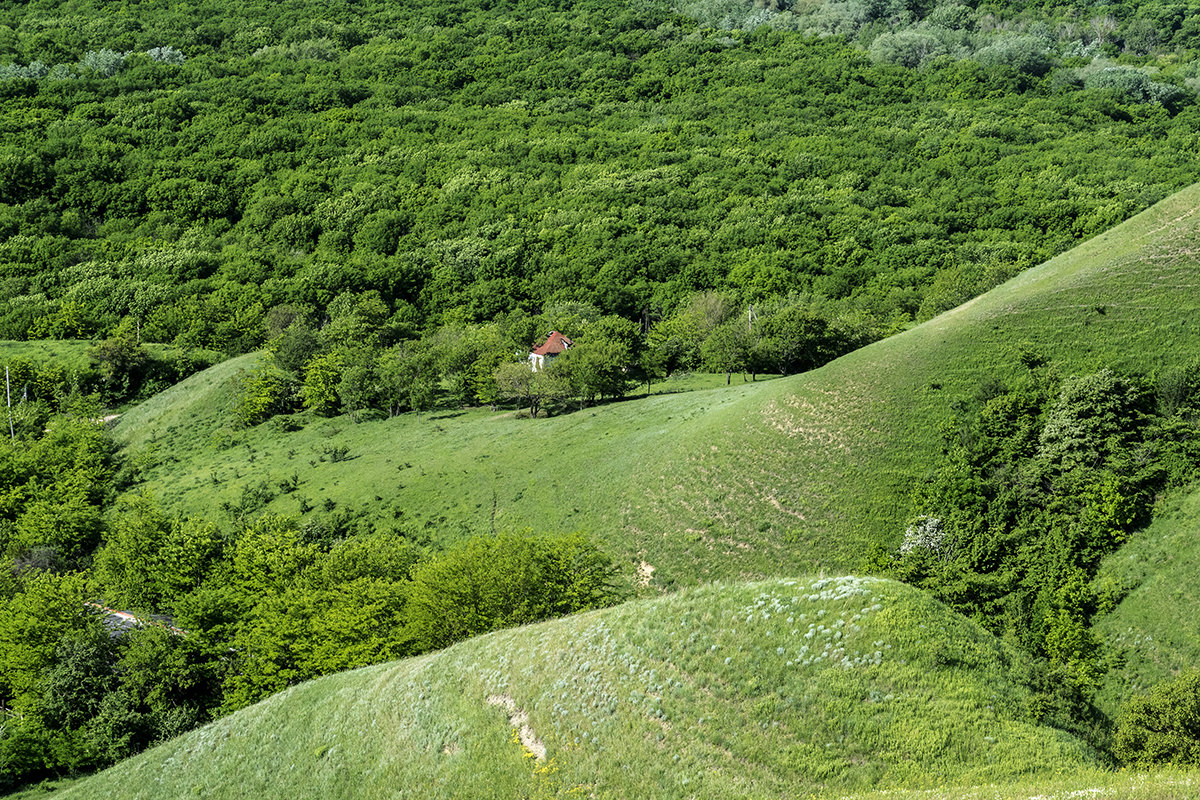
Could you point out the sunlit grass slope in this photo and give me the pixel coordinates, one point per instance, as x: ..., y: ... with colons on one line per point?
x: 797, y: 474
x: 70, y: 353
x: 770, y: 689
x: 1152, y: 635
x: 184, y: 419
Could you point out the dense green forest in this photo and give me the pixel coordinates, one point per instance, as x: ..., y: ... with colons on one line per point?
x: 395, y: 201
x: 189, y: 170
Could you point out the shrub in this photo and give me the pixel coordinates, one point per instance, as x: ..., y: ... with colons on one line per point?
x: 1091, y: 420
x: 926, y: 534
x: 166, y: 55
x: 102, y: 63
x: 1023, y: 53
x: 264, y: 392
x: 489, y: 582
x: 906, y: 48
x: 1162, y: 727
x: 1135, y: 86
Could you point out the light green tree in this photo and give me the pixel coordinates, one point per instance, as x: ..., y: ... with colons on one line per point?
x: 516, y: 381
x: 31, y: 624
x: 322, y: 375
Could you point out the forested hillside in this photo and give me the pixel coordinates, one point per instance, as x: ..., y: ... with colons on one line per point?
x: 192, y: 168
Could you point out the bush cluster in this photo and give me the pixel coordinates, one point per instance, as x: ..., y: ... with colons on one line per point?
x: 1038, y: 482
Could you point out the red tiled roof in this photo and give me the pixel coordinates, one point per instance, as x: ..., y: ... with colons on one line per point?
x: 555, y: 344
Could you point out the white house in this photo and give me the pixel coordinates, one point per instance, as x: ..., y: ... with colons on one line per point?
x: 555, y: 344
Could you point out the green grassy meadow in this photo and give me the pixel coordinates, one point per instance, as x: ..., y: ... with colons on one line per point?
x: 778, y: 688
x: 775, y: 477
x: 70, y: 353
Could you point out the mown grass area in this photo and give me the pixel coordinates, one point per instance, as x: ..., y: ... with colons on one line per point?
x: 803, y: 473
x: 70, y: 353
x: 778, y: 688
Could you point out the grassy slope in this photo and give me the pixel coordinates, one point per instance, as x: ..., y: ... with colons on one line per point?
x: 1152, y: 632
x: 769, y: 689
x: 754, y: 479
x: 71, y: 353
x: 758, y: 479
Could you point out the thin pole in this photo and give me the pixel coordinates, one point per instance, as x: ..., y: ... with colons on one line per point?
x: 8, y: 397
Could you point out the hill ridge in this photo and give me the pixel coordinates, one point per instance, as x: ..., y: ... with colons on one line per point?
x: 716, y: 689
x: 733, y: 483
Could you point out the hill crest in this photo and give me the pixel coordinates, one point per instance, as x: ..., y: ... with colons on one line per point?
x: 784, y: 686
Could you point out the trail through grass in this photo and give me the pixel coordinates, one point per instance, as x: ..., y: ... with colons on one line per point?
x: 780, y: 688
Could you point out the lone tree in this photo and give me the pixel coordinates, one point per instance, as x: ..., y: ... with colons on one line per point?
x: 516, y: 381
x: 727, y: 349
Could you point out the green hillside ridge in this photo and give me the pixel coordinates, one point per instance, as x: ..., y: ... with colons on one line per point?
x: 770, y: 689
x: 802, y: 473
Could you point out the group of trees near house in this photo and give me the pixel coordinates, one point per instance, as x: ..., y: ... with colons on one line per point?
x: 360, y: 357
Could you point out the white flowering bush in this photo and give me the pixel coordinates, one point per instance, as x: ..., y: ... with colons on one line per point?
x: 926, y: 534
x: 166, y: 55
